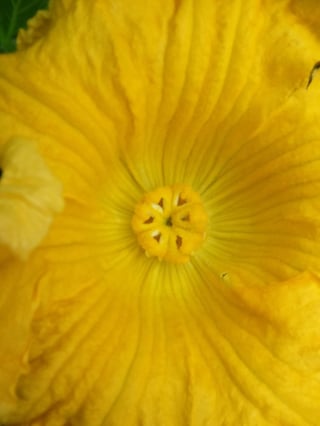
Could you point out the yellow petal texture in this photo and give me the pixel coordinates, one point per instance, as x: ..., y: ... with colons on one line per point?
x: 29, y: 197
x: 307, y: 13
x: 122, y: 98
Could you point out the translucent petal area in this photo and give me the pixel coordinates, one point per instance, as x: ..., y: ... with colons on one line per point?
x: 166, y: 347
x: 30, y: 197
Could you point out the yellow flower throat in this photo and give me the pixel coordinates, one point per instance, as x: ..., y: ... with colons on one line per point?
x: 170, y: 223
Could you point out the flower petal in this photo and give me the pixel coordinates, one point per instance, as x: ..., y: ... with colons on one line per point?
x: 184, y: 354
x: 211, y: 94
x: 18, y: 302
x: 37, y: 26
x: 264, y: 199
x: 307, y: 13
x: 29, y: 197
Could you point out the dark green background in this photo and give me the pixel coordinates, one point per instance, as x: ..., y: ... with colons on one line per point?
x: 14, y: 15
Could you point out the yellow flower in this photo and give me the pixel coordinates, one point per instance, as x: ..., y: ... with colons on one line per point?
x: 180, y: 283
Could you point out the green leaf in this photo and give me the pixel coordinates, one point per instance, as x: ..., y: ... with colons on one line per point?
x: 14, y: 15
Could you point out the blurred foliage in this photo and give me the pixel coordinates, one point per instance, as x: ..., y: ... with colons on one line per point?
x: 14, y: 15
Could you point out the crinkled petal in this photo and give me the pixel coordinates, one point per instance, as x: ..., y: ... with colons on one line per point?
x: 175, y: 354
x: 264, y: 200
x: 19, y: 300
x: 30, y: 196
x: 37, y: 27
x: 212, y: 94
x: 307, y: 14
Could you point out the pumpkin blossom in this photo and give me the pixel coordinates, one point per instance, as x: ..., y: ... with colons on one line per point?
x: 159, y: 215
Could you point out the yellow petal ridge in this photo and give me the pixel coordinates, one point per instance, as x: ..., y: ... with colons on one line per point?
x: 30, y: 196
x: 210, y: 93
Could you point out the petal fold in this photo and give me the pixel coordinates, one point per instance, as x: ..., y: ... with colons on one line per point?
x: 36, y: 28
x: 123, y: 97
x: 30, y: 196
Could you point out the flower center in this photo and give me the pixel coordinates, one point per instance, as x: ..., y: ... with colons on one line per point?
x: 170, y: 223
